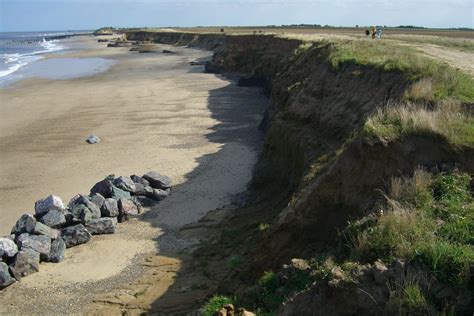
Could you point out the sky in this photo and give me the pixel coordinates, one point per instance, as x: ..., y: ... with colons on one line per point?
x: 52, y: 15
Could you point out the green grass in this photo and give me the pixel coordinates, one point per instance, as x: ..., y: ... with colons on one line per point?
x: 214, y: 304
x: 447, y: 81
x: 398, y: 120
x: 434, y: 224
x: 408, y: 298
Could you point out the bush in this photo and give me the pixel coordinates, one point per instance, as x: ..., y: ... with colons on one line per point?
x: 214, y: 304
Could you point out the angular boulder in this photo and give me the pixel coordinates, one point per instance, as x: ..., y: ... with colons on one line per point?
x: 42, y: 229
x: 8, y: 248
x: 5, y: 277
x: 98, y: 199
x: 75, y: 235
x: 119, y: 194
x: 138, y: 179
x: 157, y: 181
x: 26, y: 224
x: 103, y: 187
x: 127, y: 209
x: 25, y: 263
x: 125, y: 183
x: 54, y: 219
x: 81, y: 214
x: 104, y: 225
x: 85, y: 200
x: 142, y: 190
x: 37, y: 243
x: 93, y: 139
x: 58, y: 249
x: 159, y: 194
x: 110, y: 208
x: 51, y: 202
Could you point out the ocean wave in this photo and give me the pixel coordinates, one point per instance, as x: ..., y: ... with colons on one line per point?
x: 19, y: 60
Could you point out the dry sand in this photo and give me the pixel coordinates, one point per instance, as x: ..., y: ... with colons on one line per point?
x: 153, y: 112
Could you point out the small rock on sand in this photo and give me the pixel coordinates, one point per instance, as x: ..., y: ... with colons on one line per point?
x: 93, y: 139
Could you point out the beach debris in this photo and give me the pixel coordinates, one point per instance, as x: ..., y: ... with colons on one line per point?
x: 75, y: 235
x: 104, y: 225
x: 8, y: 248
x: 51, y: 202
x: 157, y: 181
x: 93, y: 139
x: 5, y: 278
x: 58, y: 249
x: 54, y: 227
x: 26, y: 262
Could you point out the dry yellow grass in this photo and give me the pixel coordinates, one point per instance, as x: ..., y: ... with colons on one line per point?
x: 421, y: 90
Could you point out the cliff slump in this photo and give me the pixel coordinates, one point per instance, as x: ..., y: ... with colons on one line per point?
x: 317, y: 164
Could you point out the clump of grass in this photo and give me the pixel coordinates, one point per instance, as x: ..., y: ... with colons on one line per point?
x: 407, y: 297
x: 214, y: 304
x: 434, y: 224
x: 446, y: 81
x: 447, y: 119
x: 421, y: 90
x: 235, y: 261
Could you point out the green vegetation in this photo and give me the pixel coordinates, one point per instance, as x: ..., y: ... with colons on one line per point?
x: 455, y: 43
x: 447, y: 81
x: 408, y: 298
x: 214, y: 304
x: 432, y: 222
x: 235, y: 261
x: 397, y: 120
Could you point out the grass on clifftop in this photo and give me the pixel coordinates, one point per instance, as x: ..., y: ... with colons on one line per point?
x: 447, y: 119
x: 447, y: 81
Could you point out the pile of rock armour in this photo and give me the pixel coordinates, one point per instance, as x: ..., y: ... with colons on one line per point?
x: 54, y: 227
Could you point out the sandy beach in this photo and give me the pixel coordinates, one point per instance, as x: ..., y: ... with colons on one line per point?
x: 152, y: 112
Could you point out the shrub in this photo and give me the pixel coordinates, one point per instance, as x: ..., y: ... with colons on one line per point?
x: 214, y: 304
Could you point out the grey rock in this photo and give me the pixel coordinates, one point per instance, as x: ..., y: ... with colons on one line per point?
x: 5, y: 277
x: 38, y: 243
x: 81, y: 214
x: 138, y: 179
x: 98, y: 199
x: 54, y: 219
x: 8, y: 248
x: 85, y: 200
x: 58, y: 249
x: 142, y: 190
x: 157, y: 181
x: 120, y: 194
x: 159, y: 194
x: 26, y: 224
x: 51, y: 202
x: 75, y: 235
x: 93, y: 139
x: 25, y: 263
x: 125, y: 183
x: 104, y: 225
x: 110, y: 208
x: 103, y: 187
x: 127, y: 209
x: 42, y: 229
x: 145, y: 201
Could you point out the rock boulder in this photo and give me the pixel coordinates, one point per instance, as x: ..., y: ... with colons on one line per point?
x: 51, y: 202
x: 58, y: 248
x: 125, y: 183
x: 103, y: 187
x: 75, y: 235
x: 127, y: 209
x: 54, y: 219
x: 5, y: 277
x: 25, y: 263
x: 157, y: 181
x: 37, y: 243
x: 104, y: 225
x: 26, y: 224
x: 110, y: 208
x: 8, y: 248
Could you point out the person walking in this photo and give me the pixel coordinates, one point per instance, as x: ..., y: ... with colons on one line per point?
x: 373, y: 32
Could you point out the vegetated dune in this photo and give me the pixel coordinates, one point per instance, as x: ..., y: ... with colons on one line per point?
x: 344, y: 125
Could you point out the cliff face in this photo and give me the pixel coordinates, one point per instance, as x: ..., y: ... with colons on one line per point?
x: 318, y: 170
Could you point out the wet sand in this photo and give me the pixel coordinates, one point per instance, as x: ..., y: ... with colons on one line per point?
x: 152, y: 112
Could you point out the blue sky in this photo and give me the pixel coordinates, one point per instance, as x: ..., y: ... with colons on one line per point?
x: 44, y: 15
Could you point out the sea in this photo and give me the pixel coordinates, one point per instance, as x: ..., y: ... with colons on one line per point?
x: 21, y: 54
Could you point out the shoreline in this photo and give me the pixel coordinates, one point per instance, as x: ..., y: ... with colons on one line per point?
x: 153, y: 112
